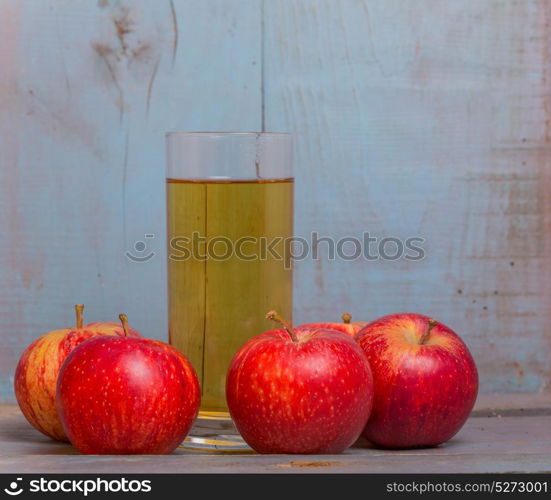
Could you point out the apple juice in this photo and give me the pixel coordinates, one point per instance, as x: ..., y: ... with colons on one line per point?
x: 227, y: 266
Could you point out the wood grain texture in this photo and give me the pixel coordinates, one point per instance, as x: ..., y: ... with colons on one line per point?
x: 519, y: 444
x: 427, y: 118
x: 88, y: 91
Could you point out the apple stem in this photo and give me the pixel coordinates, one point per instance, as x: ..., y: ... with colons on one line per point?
x: 347, y: 318
x: 79, y: 308
x: 124, y: 321
x: 425, y: 337
x: 274, y: 316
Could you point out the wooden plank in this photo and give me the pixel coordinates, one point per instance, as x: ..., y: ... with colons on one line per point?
x: 506, y: 444
x: 10, y: 184
x: 87, y: 91
x: 426, y: 119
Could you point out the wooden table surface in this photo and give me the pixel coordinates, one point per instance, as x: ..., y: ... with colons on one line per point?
x: 504, y: 434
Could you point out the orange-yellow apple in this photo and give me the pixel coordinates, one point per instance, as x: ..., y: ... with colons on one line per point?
x: 38, y: 369
x: 346, y: 326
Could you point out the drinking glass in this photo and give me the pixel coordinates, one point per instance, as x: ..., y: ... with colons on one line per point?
x: 229, y: 224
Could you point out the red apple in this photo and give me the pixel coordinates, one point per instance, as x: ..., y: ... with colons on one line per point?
x: 346, y: 326
x: 124, y: 395
x: 299, y: 390
x: 38, y: 368
x: 425, y: 381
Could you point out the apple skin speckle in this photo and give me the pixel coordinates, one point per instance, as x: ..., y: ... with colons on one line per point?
x: 123, y: 395
x: 425, y: 380
x: 310, y: 396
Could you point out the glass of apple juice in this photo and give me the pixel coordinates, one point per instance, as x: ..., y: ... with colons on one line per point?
x: 229, y: 225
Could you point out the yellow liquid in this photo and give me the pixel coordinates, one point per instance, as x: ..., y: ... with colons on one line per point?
x: 218, y: 302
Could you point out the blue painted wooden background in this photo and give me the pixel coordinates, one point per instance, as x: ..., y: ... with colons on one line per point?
x: 426, y: 118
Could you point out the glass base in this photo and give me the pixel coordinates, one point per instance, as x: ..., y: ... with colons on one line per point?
x: 214, y: 432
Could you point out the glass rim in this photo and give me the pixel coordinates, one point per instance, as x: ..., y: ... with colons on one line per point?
x: 207, y: 133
